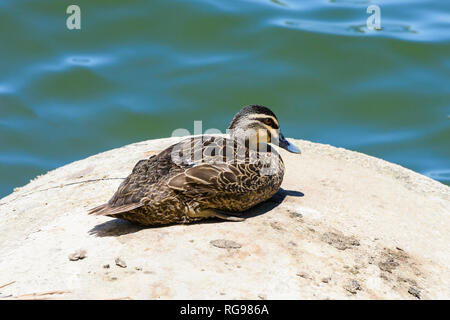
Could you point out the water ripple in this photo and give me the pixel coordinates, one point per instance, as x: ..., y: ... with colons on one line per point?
x: 350, y: 28
x: 4, y: 88
x: 439, y: 174
x: 24, y: 158
x: 70, y: 61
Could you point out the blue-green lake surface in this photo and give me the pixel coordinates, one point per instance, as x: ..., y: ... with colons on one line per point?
x: 138, y: 70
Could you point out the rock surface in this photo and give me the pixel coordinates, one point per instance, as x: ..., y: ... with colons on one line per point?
x: 372, y: 229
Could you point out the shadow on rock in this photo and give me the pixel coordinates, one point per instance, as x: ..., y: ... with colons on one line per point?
x: 118, y: 227
x: 271, y: 204
x: 114, y: 228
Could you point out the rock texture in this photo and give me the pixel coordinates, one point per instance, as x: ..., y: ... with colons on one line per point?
x: 344, y: 226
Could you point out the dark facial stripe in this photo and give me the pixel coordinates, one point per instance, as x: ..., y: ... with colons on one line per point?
x: 269, y: 122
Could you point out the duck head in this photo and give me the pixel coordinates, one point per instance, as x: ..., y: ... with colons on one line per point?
x: 259, y: 125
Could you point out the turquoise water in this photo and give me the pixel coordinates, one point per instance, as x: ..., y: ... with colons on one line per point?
x: 138, y: 70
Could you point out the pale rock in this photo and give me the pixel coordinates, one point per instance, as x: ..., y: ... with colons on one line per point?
x: 379, y: 230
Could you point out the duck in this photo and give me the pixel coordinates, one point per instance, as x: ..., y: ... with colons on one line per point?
x: 205, y: 176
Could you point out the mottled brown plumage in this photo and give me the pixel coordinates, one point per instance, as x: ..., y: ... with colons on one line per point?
x: 205, y: 176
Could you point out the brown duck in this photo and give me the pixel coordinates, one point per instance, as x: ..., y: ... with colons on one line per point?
x: 205, y: 176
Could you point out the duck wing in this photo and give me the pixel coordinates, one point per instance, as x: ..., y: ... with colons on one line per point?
x: 208, y: 180
x: 209, y: 177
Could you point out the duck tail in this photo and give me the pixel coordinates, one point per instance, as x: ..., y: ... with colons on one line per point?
x: 108, y: 210
x: 100, y: 210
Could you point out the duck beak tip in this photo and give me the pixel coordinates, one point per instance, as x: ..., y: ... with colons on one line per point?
x: 283, y: 143
x: 294, y: 149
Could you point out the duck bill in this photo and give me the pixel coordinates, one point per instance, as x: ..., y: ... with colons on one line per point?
x: 283, y: 143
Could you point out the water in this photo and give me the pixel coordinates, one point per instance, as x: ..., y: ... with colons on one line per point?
x: 138, y: 70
